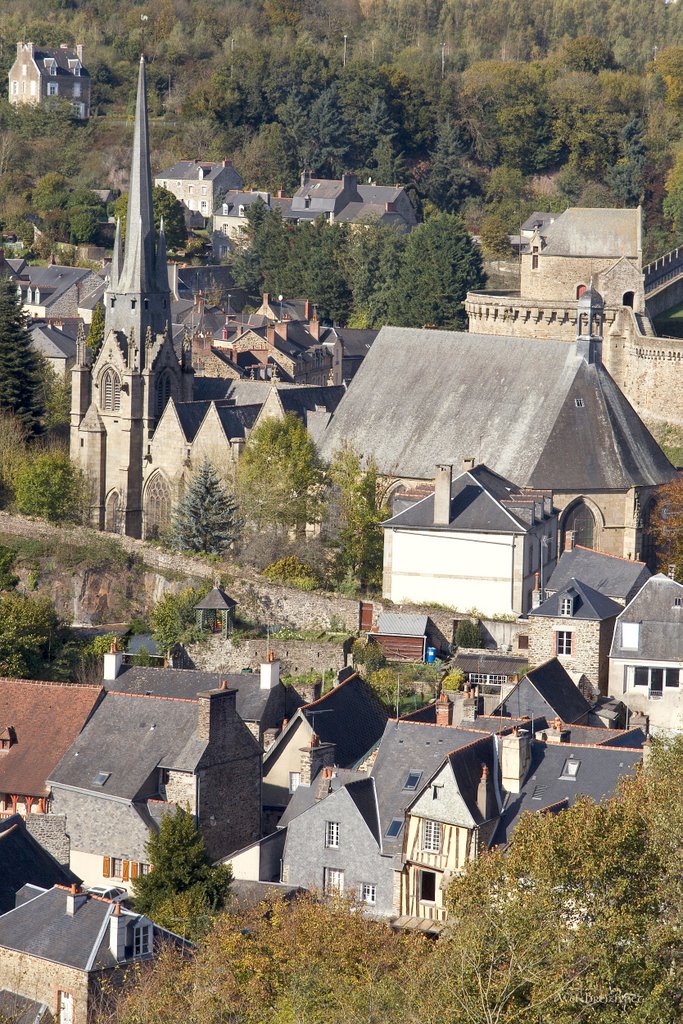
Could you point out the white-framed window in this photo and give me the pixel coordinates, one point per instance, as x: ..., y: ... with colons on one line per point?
x: 368, y: 893
x: 563, y: 642
x: 333, y: 880
x: 332, y: 835
x: 15, y: 88
x: 294, y: 781
x: 142, y: 939
x: 66, y: 1008
x: 630, y: 635
x: 23, y: 88
x: 116, y: 867
x: 678, y: 602
x: 203, y: 190
x: 144, y: 869
x: 653, y: 678
x: 431, y: 836
x: 566, y: 606
x: 52, y: 89
x: 240, y: 210
x: 77, y: 69
x: 204, y: 204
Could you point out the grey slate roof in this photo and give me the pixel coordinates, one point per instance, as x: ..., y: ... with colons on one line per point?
x: 405, y: 747
x: 100, y: 826
x: 488, y: 662
x: 424, y: 397
x: 588, y: 603
x: 54, y: 342
x: 547, y: 691
x: 23, y: 860
x: 618, y: 578
x: 476, y: 505
x: 594, y: 232
x: 188, y: 170
x: 598, y: 775
x: 216, y: 599
x: 129, y: 736
x: 304, y: 797
x: 401, y: 624
x: 661, y: 623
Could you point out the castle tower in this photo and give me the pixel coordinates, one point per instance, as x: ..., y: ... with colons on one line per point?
x: 117, y: 401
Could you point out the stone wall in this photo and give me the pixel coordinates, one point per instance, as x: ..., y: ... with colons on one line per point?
x: 50, y: 831
x: 296, y: 657
x: 590, y: 646
x: 42, y: 980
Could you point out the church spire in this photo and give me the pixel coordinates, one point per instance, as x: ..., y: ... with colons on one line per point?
x: 139, y: 262
x: 117, y: 256
x: 162, y: 268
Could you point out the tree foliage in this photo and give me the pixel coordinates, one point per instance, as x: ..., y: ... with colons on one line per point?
x: 166, y: 207
x: 173, y: 618
x: 19, y: 362
x: 96, y: 331
x: 279, y: 476
x: 50, y: 485
x: 29, y: 634
x: 666, y: 528
x: 207, y: 519
x: 357, y: 510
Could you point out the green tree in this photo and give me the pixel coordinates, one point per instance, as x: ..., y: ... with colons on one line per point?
x: 627, y: 177
x: 8, y: 579
x: 280, y: 477
x: 96, y: 331
x: 207, y: 519
x: 173, y: 619
x: 20, y: 370
x: 673, y: 203
x: 357, y: 512
x: 181, y: 868
x: 50, y: 192
x: 84, y: 222
x: 468, y: 634
x: 495, y: 239
x: 29, y: 634
x: 49, y: 485
x: 448, y: 181
x: 165, y: 206
x: 439, y: 266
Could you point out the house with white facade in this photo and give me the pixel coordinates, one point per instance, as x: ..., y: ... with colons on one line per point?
x: 646, y: 660
x: 476, y: 542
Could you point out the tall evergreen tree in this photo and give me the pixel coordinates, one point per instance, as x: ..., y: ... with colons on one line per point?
x: 448, y: 182
x: 96, y: 332
x: 207, y: 519
x: 20, y: 370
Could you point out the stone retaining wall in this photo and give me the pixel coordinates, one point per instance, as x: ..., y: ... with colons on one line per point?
x: 297, y: 657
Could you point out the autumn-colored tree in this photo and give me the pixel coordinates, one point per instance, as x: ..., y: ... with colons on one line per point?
x: 357, y: 510
x: 666, y: 528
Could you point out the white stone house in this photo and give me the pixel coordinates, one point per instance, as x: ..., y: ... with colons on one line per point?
x: 646, y: 660
x: 475, y: 543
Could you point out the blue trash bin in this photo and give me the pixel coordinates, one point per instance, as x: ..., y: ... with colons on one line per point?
x: 431, y: 655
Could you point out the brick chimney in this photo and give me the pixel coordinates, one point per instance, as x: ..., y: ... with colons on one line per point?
x: 315, y: 756
x: 282, y: 329
x: 537, y: 594
x: 442, y: 495
x: 270, y: 335
x: 444, y: 710
x: 307, y: 310
x: 216, y: 710
x: 314, y: 326
x: 515, y: 758
x: 484, y: 795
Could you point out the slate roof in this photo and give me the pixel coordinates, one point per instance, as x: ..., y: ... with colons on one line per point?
x: 305, y: 797
x: 405, y: 747
x: 478, y: 505
x: 188, y: 170
x: 488, y: 662
x: 615, y: 577
x: 401, y: 624
x: 61, y: 56
x: 37, y: 711
x: 252, y: 893
x: 42, y: 928
x: 20, y: 1010
x: 588, y: 603
x: 128, y: 737
x: 661, y: 623
x: 252, y: 701
x: 24, y: 861
x: 52, y: 281
x: 119, y: 828
x: 53, y: 342
x: 424, y: 397
x: 537, y: 220
x: 599, y: 772
x: 547, y: 691
x: 216, y: 599
x: 606, y: 233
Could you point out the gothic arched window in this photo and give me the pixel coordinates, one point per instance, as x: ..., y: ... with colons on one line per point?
x: 581, y: 522
x: 157, y: 506
x: 163, y: 392
x: 112, y: 513
x: 110, y: 391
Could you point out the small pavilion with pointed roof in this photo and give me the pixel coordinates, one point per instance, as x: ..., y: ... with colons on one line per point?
x: 215, y: 612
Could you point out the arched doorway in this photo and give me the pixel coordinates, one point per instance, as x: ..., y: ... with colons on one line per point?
x: 157, y: 506
x: 113, y: 513
x: 580, y: 521
x: 628, y: 299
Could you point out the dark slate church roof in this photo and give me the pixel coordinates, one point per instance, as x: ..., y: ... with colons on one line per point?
x: 533, y: 411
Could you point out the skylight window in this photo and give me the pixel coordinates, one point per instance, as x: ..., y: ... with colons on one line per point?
x: 413, y: 780
x: 579, y: 403
x: 571, y: 768
x: 395, y: 827
x: 101, y: 778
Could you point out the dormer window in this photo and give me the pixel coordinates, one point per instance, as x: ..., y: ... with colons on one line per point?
x: 7, y: 738
x: 142, y: 939
x: 566, y: 606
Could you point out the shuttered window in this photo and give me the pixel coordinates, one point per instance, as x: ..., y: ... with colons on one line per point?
x: 106, y: 867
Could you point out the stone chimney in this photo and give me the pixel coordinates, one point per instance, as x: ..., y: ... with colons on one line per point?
x: 556, y: 732
x: 515, y: 758
x: 470, y: 704
x: 270, y: 335
x: 569, y: 540
x: 442, y: 495
x: 315, y: 756
x: 216, y: 711
x: 484, y: 794
x: 314, y: 326
x: 117, y: 934
x: 467, y: 465
x: 79, y: 51
x: 444, y: 710
x: 75, y: 900
x: 282, y: 329
x: 113, y: 661
x: 270, y: 672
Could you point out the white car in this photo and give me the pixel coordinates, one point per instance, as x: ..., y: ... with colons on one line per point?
x: 113, y: 892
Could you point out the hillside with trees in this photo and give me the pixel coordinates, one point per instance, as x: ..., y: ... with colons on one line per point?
x: 487, y: 109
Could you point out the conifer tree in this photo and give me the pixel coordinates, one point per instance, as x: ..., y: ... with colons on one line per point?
x: 207, y: 519
x: 20, y: 369
x: 96, y: 332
